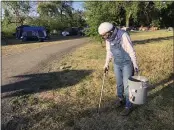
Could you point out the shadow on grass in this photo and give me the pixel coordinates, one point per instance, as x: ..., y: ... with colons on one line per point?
x: 43, y: 82
x: 145, y: 41
x: 147, y: 116
x: 152, y: 40
x: 162, y: 82
x: 13, y: 41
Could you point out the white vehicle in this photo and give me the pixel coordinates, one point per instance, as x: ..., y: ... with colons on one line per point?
x: 65, y: 33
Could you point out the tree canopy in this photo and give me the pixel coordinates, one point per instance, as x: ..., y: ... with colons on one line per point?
x: 57, y: 15
x: 130, y: 13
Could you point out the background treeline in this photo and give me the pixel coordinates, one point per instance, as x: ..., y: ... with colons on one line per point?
x: 132, y: 13
x: 53, y: 15
x: 58, y: 15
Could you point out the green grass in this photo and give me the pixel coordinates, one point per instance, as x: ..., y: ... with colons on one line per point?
x: 72, y: 102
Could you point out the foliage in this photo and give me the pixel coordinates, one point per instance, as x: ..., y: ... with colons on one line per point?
x: 57, y: 15
x: 8, y: 29
x: 97, y: 12
x: 54, y: 15
x: 167, y: 15
x: 60, y: 14
x: 131, y: 8
x: 14, y: 15
x: 139, y: 13
x: 18, y: 9
x: 78, y: 19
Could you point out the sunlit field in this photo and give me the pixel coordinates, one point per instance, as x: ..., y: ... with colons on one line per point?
x: 70, y: 89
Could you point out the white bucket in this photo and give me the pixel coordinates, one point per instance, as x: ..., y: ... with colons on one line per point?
x: 138, y: 89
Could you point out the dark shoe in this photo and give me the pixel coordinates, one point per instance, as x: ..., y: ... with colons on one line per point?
x: 119, y: 103
x: 126, y: 112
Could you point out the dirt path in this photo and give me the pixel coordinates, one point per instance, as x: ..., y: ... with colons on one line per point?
x: 31, y: 61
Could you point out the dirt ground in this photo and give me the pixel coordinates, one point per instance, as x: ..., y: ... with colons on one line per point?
x: 30, y: 61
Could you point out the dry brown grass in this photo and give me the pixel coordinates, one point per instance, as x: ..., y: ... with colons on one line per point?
x: 75, y: 106
x: 21, y: 47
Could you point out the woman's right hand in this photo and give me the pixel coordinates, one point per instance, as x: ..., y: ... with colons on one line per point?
x: 106, y: 69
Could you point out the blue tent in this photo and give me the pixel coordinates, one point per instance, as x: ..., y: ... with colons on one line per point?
x: 26, y: 32
x: 30, y: 28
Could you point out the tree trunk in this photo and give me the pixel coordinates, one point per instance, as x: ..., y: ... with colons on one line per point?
x: 61, y: 15
x: 61, y: 11
x: 127, y: 22
x: 128, y: 17
x: 21, y: 21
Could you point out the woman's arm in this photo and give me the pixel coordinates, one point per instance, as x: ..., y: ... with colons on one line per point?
x: 128, y: 47
x: 108, y: 54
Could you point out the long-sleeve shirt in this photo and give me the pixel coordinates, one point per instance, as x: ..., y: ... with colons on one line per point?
x: 127, y: 46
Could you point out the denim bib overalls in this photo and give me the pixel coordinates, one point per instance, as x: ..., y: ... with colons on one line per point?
x: 123, y: 67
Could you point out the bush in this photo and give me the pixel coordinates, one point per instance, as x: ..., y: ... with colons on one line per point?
x: 9, y: 30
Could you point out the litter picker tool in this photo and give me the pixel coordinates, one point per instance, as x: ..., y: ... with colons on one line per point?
x: 101, y: 93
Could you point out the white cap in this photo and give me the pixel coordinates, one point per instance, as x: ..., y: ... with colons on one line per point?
x: 105, y: 27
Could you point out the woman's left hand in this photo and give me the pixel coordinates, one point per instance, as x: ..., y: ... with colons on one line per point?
x: 136, y: 71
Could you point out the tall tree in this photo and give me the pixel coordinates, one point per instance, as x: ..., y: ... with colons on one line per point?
x: 150, y: 12
x: 55, y: 9
x: 158, y: 16
x: 78, y: 18
x: 17, y: 9
x: 57, y: 14
x: 167, y: 14
x: 97, y: 12
x: 131, y: 9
